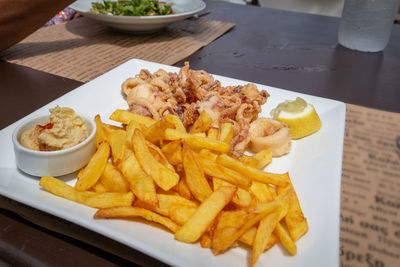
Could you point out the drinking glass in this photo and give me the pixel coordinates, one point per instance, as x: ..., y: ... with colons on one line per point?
x: 366, y: 25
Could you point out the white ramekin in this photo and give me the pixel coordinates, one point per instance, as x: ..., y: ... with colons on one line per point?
x: 52, y: 163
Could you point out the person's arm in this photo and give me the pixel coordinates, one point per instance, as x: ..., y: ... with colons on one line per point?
x: 20, y: 18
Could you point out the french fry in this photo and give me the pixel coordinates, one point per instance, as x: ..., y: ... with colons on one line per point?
x: 252, y: 219
x: 125, y: 117
x: 133, y: 212
x: 207, y: 154
x: 180, y: 213
x: 264, y: 157
x: 113, y: 180
x: 226, y: 133
x: 253, y: 173
x: 248, y: 160
x: 197, y: 142
x: 282, y: 200
x: 295, y: 221
x: 91, y: 199
x: 213, y: 133
x: 264, y: 231
x: 92, y: 172
x: 140, y: 183
x: 108, y: 128
x: 183, y: 189
x: 205, y: 241
x: 165, y: 202
x: 231, y: 218
x: 202, y: 134
x: 173, y: 152
x: 215, y: 170
x: 110, y: 199
x: 267, y: 226
x: 202, y: 124
x: 198, y: 223
x: 248, y: 238
x: 176, y: 121
x: 99, y: 188
x: 100, y: 134
x: 194, y: 175
x: 228, y: 222
x: 159, y: 156
x: 155, y: 132
x: 130, y: 128
x: 284, y: 208
x: 241, y: 198
x: 104, y: 130
x: 285, y: 239
x: 117, y: 144
x: 263, y: 192
x: 171, y: 147
x: 80, y: 173
x: 173, y: 134
x: 162, y: 176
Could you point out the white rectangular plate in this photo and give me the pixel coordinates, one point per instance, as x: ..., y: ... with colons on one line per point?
x: 314, y: 165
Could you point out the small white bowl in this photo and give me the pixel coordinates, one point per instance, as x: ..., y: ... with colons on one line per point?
x: 52, y: 163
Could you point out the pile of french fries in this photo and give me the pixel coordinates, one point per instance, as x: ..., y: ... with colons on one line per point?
x: 188, y: 182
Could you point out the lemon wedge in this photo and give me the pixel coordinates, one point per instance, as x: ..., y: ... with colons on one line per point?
x: 300, y: 116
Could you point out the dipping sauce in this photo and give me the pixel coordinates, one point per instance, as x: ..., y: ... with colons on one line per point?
x: 65, y: 129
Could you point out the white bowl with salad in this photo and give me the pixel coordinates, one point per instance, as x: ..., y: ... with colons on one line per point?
x: 138, y: 15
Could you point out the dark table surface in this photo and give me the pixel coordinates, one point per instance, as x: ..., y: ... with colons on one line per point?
x: 293, y: 51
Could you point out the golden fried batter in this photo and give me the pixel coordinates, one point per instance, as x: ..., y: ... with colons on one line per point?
x: 190, y: 92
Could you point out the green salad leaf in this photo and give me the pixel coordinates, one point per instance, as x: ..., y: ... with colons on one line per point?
x: 132, y: 8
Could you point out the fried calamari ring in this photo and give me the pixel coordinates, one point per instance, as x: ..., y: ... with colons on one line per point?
x: 270, y: 134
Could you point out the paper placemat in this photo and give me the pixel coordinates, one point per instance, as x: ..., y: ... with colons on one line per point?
x: 96, y: 48
x: 370, y: 200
